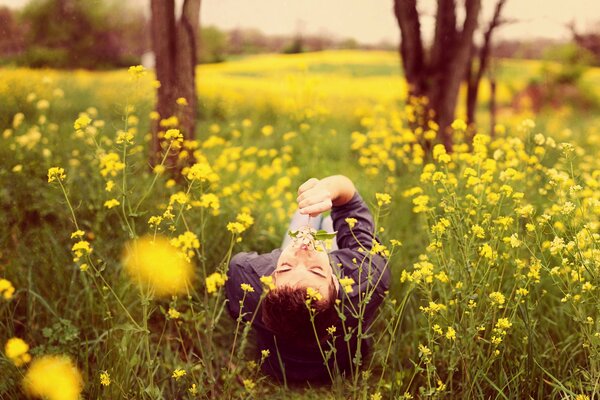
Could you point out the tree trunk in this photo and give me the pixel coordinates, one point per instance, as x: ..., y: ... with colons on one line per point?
x: 440, y: 78
x: 174, y: 45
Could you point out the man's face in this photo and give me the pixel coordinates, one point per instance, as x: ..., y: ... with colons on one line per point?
x: 301, y: 266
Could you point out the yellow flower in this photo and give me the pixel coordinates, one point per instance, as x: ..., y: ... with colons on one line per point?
x: 351, y: 222
x: 313, y: 294
x: 6, y: 289
x: 56, y: 173
x: 451, y: 333
x: 193, y: 389
x: 383, y: 198
x: 110, y: 184
x: 17, y: 351
x: 497, y: 298
x: 247, y: 288
x: 82, y: 122
x: 265, y: 353
x: 77, y: 234
x: 214, y: 281
x: 155, y: 263
x: 267, y: 130
x: 125, y: 136
x: 201, y: 172
x: 347, y: 283
x: 81, y: 249
x: 110, y: 164
x: 486, y: 251
x: 236, y: 227
x: 111, y: 203
x: 249, y: 384
x: 331, y: 330
x: 503, y: 324
x: 104, y: 378
x: 173, y: 313
x: 459, y: 125
x: 178, y: 373
x: 182, y: 101
x: 245, y: 219
x: 53, y: 378
x: 137, y: 71
x: 267, y: 281
x: 478, y: 231
x: 186, y: 242
x: 174, y: 134
x: 159, y: 169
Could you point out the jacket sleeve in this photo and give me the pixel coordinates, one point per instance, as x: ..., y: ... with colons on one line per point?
x: 362, y: 232
x: 240, y: 271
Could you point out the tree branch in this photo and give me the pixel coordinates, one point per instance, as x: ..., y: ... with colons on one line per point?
x: 411, y: 45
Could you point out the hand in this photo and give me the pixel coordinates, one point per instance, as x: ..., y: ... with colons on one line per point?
x: 314, y: 197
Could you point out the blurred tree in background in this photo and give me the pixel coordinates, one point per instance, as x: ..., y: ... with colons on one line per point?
x: 437, y: 74
x: 77, y: 34
x: 11, y: 34
x: 174, y: 43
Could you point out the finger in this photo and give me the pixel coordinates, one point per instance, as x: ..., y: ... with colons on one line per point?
x: 307, y: 185
x: 312, y: 197
x: 316, y: 209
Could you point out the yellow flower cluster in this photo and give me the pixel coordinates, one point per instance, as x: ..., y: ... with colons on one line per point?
x: 7, y: 289
x: 17, y: 350
x: 186, y: 243
x: 56, y: 173
x: 110, y: 164
x: 242, y: 222
x: 214, y: 281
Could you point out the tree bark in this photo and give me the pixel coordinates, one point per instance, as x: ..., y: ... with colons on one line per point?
x: 174, y: 45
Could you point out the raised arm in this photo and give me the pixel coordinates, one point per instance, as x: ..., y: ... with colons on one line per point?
x: 319, y: 195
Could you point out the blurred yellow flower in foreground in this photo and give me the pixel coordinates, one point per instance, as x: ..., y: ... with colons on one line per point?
x: 53, y: 378
x: 157, y: 264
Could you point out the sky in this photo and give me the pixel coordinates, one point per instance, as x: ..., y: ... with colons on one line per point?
x: 372, y: 21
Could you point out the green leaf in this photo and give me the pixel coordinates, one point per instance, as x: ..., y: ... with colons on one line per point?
x: 324, y: 235
x: 293, y: 234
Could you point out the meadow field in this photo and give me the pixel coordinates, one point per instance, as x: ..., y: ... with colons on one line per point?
x: 494, y: 249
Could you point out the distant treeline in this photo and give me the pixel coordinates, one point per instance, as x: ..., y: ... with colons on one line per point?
x: 102, y: 35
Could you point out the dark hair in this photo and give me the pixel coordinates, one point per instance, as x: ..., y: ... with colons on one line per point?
x: 286, y: 314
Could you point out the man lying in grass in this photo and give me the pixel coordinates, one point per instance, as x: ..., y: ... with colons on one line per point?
x: 319, y: 302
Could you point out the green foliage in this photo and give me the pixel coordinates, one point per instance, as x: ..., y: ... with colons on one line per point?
x: 570, y: 62
x: 82, y: 34
x: 213, y: 45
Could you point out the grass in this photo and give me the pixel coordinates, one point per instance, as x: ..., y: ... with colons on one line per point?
x: 331, y: 112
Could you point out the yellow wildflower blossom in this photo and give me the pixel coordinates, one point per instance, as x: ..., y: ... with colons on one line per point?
x: 104, y: 378
x: 17, y: 350
x: 56, y: 173
x: 214, y: 281
x: 497, y: 298
x: 111, y: 203
x: 178, y: 373
x: 246, y: 288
